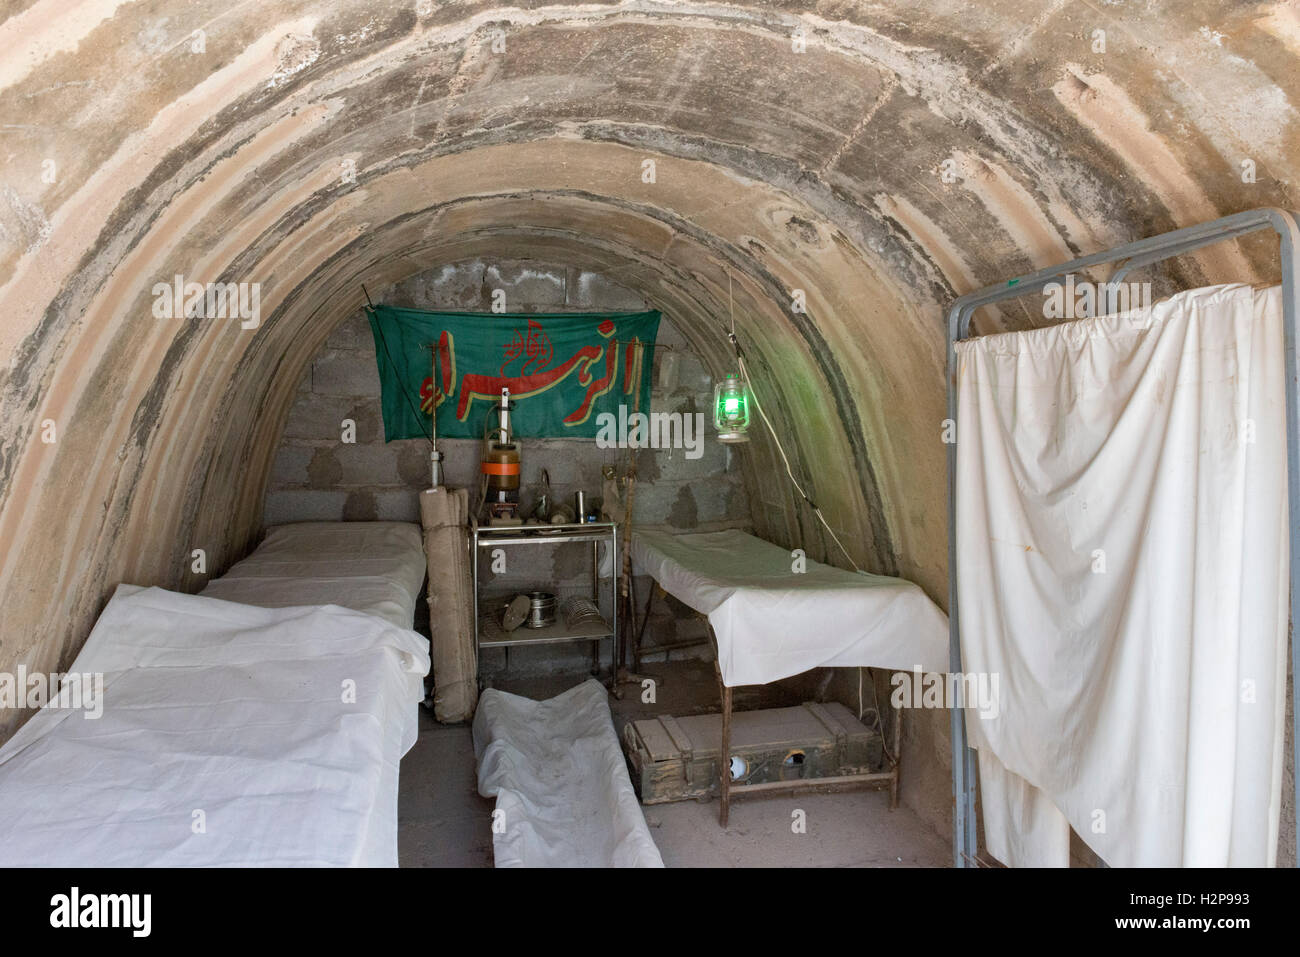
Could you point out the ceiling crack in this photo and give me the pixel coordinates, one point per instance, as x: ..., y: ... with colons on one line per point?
x: 890, y: 84
x: 1017, y: 43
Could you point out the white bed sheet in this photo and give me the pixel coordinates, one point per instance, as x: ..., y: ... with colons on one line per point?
x: 564, y: 798
x: 374, y: 567
x: 772, y: 623
x: 236, y: 712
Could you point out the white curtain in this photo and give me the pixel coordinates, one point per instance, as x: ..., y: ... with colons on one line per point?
x: 1122, y: 546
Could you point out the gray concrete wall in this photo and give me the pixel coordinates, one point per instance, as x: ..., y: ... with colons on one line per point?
x: 318, y: 477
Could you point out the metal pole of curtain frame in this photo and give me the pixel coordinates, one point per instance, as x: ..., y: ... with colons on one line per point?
x: 1128, y: 257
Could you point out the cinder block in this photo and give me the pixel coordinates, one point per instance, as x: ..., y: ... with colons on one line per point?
x: 654, y: 502
x: 412, y: 460
x: 324, y: 470
x: 367, y: 465
x: 460, y: 462
x: 674, y: 466
x: 669, y: 335
x: 304, y: 505
x: 369, y: 418
x: 319, y: 417
x: 345, y: 373
x: 352, y: 334
x: 647, y: 466
x: 566, y: 461
x: 360, y: 506
x: 403, y: 295
x: 685, y: 511
x: 290, y: 465
x: 397, y: 505
x: 694, y: 379
x: 719, y: 500
x: 594, y: 291
x: 453, y: 288
x: 527, y: 285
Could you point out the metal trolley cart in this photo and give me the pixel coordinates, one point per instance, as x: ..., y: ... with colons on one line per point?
x: 489, y: 632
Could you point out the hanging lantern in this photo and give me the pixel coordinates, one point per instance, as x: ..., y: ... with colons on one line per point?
x: 731, y: 409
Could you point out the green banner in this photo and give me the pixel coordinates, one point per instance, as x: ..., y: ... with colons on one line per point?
x: 563, y: 370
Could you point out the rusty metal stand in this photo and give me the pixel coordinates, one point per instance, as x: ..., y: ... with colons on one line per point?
x: 638, y: 645
x: 836, y: 783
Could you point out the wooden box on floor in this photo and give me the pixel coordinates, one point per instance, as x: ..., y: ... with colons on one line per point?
x: 676, y: 759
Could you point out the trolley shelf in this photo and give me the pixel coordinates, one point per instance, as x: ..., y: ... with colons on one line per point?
x: 488, y: 632
x: 489, y: 536
x: 492, y: 635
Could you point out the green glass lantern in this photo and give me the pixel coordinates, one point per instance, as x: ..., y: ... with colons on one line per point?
x: 731, y: 409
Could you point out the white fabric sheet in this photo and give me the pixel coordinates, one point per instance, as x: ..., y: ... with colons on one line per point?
x: 375, y: 567
x: 234, y: 711
x: 564, y: 798
x: 1122, y: 540
x: 772, y: 623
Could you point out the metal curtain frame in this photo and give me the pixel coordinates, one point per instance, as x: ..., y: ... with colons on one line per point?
x: 1128, y: 257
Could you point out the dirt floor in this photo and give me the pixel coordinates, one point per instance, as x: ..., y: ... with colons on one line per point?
x: 443, y: 822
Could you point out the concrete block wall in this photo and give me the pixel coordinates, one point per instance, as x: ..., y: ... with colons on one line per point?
x: 318, y: 477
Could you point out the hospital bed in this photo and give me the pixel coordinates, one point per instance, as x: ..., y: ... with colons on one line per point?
x: 233, y: 734
x: 374, y: 567
x: 769, y: 621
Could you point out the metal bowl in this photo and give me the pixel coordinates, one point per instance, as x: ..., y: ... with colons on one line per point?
x: 541, y: 609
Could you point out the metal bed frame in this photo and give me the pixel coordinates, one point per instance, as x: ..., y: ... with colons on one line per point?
x: 1135, y: 255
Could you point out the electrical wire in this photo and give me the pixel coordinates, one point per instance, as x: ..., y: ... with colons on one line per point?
x: 880, y: 718
x: 749, y: 382
x: 744, y: 372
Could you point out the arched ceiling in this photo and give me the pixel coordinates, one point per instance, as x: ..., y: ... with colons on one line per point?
x: 882, y: 157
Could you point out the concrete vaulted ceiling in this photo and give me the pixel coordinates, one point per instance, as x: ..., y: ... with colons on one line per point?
x: 881, y: 157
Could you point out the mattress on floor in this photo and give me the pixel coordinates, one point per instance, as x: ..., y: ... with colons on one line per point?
x: 556, y: 769
x: 374, y: 567
x: 772, y: 622
x: 230, y: 735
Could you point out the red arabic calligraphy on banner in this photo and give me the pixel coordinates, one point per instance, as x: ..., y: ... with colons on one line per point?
x: 535, y: 376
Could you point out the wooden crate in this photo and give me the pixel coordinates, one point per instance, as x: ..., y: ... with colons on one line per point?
x: 676, y: 759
